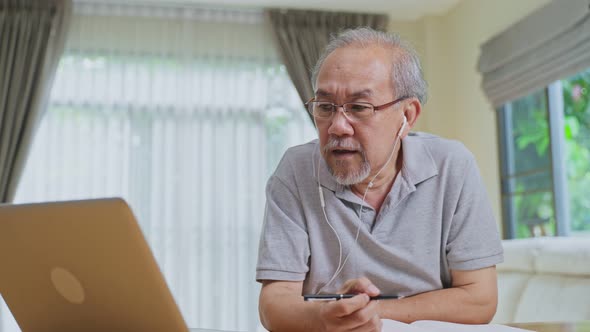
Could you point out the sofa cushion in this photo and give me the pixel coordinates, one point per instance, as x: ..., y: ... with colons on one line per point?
x: 512, y: 285
x: 554, y: 298
x: 519, y: 255
x: 544, y: 279
x: 564, y: 256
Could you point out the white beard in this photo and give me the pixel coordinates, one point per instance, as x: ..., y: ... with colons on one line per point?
x: 352, y: 177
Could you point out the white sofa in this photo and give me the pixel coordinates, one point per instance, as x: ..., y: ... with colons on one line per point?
x: 544, y: 279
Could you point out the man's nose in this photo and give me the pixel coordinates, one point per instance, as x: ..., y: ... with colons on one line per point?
x: 340, y: 125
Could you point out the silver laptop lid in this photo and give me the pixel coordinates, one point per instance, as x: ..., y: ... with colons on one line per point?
x: 82, y: 266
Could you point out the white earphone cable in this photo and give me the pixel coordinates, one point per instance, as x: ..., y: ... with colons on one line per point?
x: 341, y: 263
x: 360, y: 222
x: 323, y: 204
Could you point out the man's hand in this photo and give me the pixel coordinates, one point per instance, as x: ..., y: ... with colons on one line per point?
x: 283, y: 309
x: 355, y: 314
x: 358, y: 286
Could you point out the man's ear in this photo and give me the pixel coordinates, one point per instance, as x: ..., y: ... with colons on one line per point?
x: 411, y: 110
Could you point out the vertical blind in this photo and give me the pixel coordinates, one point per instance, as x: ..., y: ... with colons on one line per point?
x: 184, y: 112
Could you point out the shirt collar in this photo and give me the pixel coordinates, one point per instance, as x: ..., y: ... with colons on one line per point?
x: 418, y: 164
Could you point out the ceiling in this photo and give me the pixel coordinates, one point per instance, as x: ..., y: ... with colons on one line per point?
x: 406, y: 10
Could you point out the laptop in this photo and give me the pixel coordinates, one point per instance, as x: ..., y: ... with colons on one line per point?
x: 82, y: 266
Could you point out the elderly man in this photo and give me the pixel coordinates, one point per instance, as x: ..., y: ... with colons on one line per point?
x: 372, y: 209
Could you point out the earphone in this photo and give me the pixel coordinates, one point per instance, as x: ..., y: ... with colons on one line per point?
x: 341, y: 263
x: 401, y: 130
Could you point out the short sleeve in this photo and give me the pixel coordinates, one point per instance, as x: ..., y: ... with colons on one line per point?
x: 283, y: 252
x: 474, y: 241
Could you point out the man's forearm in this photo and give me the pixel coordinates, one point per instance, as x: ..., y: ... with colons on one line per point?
x: 459, y: 305
x: 286, y: 313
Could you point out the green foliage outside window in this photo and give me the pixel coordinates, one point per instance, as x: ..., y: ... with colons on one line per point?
x: 576, y: 97
x: 531, y: 182
x: 533, y: 201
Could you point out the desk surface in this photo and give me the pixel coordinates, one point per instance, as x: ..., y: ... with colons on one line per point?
x: 555, y: 327
x: 538, y: 327
x: 205, y: 330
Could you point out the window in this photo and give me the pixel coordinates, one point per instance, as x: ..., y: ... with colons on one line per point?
x: 184, y: 113
x: 545, y: 149
x: 576, y: 98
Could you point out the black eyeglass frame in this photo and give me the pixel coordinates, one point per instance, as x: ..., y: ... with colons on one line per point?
x: 335, y: 107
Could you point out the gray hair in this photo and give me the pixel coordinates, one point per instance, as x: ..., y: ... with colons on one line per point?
x: 407, y: 77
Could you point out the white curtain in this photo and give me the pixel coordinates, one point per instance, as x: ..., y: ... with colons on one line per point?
x: 184, y: 112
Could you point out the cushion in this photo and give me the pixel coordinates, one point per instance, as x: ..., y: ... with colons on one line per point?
x: 554, y: 298
x: 570, y: 256
x: 512, y: 285
x: 519, y: 255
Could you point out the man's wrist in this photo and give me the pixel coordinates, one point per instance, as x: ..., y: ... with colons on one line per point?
x: 314, y: 323
x: 386, y: 307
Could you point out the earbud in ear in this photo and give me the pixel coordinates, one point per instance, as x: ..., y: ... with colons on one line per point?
x: 401, y: 130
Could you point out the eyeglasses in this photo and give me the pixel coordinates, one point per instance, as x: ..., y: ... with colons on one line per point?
x: 325, y: 110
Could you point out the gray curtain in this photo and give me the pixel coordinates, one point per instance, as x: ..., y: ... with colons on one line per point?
x: 32, y: 37
x: 550, y: 44
x: 301, y: 36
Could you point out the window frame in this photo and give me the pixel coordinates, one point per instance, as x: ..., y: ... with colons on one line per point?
x: 555, y: 117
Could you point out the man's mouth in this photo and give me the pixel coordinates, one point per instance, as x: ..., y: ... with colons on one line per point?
x: 343, y: 152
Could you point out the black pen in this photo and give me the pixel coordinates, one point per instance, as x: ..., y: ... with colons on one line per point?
x: 335, y: 297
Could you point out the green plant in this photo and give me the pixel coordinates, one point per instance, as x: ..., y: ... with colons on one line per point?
x: 576, y: 97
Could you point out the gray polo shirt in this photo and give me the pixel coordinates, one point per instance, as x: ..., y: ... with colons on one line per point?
x: 436, y: 218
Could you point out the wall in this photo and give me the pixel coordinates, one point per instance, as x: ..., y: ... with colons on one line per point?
x: 457, y: 107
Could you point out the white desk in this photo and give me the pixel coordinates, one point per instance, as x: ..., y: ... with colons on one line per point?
x: 208, y: 330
